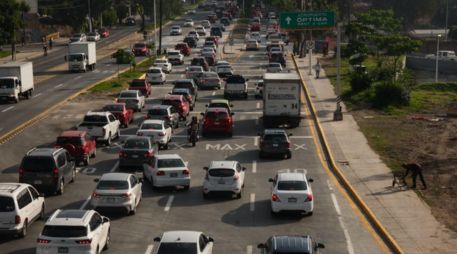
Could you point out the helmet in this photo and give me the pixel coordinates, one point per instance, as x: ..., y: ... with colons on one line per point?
x: 194, y: 119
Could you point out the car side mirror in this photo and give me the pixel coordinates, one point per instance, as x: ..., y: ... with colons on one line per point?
x: 320, y: 245
x: 157, y: 239
x: 271, y: 180
x: 232, y: 114
x: 206, y: 105
x: 243, y: 168
x: 202, y: 113
x: 65, y: 58
x: 210, y: 239
x: 311, y: 180
x: 231, y: 105
x: 205, y: 168
x: 96, y: 180
x: 247, y: 79
x: 261, y: 246
x: 290, y: 134
x: 105, y: 219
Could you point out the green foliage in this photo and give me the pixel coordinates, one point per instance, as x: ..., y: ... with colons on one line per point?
x: 438, y: 87
x: 453, y: 33
x: 11, y: 19
x: 360, y: 81
x: 109, y: 17
x: 390, y: 94
x: 123, y: 57
x: 4, y: 53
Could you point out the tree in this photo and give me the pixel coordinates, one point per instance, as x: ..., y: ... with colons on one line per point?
x: 11, y: 13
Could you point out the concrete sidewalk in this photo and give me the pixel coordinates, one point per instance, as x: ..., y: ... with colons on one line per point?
x: 33, y: 50
x: 408, y: 219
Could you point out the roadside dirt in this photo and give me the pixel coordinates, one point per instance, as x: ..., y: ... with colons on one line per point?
x: 427, y: 139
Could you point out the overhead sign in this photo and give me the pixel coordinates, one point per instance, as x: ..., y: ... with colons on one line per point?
x: 306, y: 20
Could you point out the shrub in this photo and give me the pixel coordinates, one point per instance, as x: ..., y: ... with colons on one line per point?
x: 390, y: 94
x: 123, y: 57
x: 109, y: 17
x: 383, y: 73
x: 360, y: 81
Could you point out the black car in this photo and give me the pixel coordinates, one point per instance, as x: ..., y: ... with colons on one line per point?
x: 274, y: 142
x: 191, y: 41
x: 291, y: 244
x: 225, y: 21
x: 130, y: 21
x: 136, y: 151
x: 200, y: 61
x: 216, y: 31
x: 47, y: 169
x: 278, y: 58
x: 187, y: 83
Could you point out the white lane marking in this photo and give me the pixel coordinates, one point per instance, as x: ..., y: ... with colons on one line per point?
x: 36, y: 95
x: 256, y: 141
x: 252, y: 202
x: 242, y: 117
x: 329, y: 185
x: 85, y: 203
x: 59, y: 85
x: 249, y: 249
x: 149, y: 249
x: 168, y: 205
x: 254, y: 167
x: 108, y: 65
x: 114, y: 167
x: 214, y: 93
x: 350, y: 247
x: 78, y: 77
x: 257, y: 105
x: 8, y: 108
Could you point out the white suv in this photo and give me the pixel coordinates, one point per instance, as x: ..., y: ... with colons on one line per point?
x: 74, y: 231
x: 224, y: 176
x: 291, y: 191
x: 184, y: 242
x: 20, y: 205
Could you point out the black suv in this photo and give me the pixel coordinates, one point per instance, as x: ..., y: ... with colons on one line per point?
x: 278, y: 58
x: 290, y: 244
x: 47, y: 169
x: 216, y: 31
x: 191, y: 41
x: 187, y: 83
x: 274, y: 141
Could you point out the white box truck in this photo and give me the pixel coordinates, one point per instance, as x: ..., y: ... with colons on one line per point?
x: 281, y: 99
x: 16, y: 80
x: 82, y: 56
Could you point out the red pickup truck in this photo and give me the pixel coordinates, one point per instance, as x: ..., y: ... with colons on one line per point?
x: 79, y: 144
x: 119, y: 110
x: 141, y: 85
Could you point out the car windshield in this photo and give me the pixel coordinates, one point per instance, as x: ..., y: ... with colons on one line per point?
x: 92, y: 34
x: 161, y: 61
x: 235, y: 79
x: 138, y: 83
x: 6, y: 83
x: 170, y: 163
x: 171, y: 102
x: 274, y: 65
x: 177, y: 248
x: 218, y: 105
x: 37, y: 164
x: 151, y: 126
x: 277, y: 138
x: 221, y: 172
x: 127, y: 95
x: 112, y: 185
x: 216, y: 115
x: 158, y: 111
x: 114, y: 108
x: 173, y: 53
x: 77, y: 35
x: 95, y: 118
x: 139, y: 45
x: 188, y: 20
x: 195, y: 69
x: 154, y: 71
x: 61, y: 141
x: 210, y: 75
x: 292, y: 185
x: 6, y: 204
x: 136, y: 143
x: 75, y: 57
x: 64, y: 231
x: 175, y: 27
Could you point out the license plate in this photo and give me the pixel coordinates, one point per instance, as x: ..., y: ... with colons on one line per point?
x: 221, y: 182
x: 292, y: 200
x: 275, y: 145
x: 134, y: 156
x: 62, y: 250
x: 216, y: 123
x: 173, y: 174
x: 37, y: 182
x: 110, y: 200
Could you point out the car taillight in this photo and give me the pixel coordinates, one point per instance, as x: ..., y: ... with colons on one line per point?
x: 21, y: 172
x: 162, y: 134
x: 55, y: 172
x: 39, y: 240
x: 148, y: 154
x: 275, y: 198
x: 95, y: 195
x: 160, y: 173
x: 185, y: 172
x: 126, y: 195
x: 104, y: 131
x: 309, y: 198
x: 122, y: 154
x: 288, y: 144
x: 17, y: 219
x: 85, y: 241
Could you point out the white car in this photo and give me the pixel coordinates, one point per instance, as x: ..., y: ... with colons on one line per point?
x: 193, y: 71
x: 255, y: 36
x: 184, y: 242
x: 194, y: 34
x: 157, y: 130
x: 210, y: 44
x: 156, y: 75
x: 175, y: 57
x: 167, y: 170
x: 74, y: 231
x: 164, y: 64
x: 117, y: 190
x: 252, y: 44
x: 259, y: 89
x: 133, y: 99
x: 274, y: 67
x: 208, y: 52
x: 200, y: 30
x: 176, y: 30
x: 188, y: 23
x: 206, y: 24
x: 224, y: 176
x: 291, y: 191
x: 20, y: 206
x: 78, y: 38
x: 93, y: 36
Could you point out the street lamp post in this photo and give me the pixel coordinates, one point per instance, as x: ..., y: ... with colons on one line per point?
x: 437, y: 56
x: 160, y: 27
x: 155, y: 25
x: 89, y: 14
x: 446, y: 22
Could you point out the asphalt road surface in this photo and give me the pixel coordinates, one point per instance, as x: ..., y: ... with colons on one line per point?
x: 237, y: 225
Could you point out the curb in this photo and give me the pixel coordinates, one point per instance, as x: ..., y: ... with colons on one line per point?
x: 18, y: 129
x: 368, y: 213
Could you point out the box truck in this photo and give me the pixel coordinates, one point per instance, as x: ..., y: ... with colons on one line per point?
x: 281, y: 99
x: 16, y: 80
x: 82, y: 56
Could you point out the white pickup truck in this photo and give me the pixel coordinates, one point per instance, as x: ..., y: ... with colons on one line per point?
x: 443, y: 55
x: 101, y: 125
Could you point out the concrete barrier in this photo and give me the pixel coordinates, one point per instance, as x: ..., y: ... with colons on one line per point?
x: 421, y: 63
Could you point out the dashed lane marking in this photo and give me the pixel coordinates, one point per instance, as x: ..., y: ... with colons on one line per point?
x: 149, y: 249
x: 78, y: 77
x: 169, y: 202
x: 256, y: 141
x: 257, y: 105
x: 249, y: 249
x: 114, y: 168
x: 252, y: 202
x: 213, y: 93
x: 37, y: 95
x: 59, y: 85
x: 254, y: 167
x: 85, y: 203
x: 349, y: 245
x: 7, y: 109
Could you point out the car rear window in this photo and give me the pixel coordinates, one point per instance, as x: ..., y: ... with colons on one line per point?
x: 95, y: 118
x: 140, y: 45
x: 38, y: 164
x: 151, y: 126
x: 136, y: 143
x: 112, y: 185
x: 235, y: 79
x: 158, y: 111
x: 171, y: 102
x: 127, y: 95
x: 138, y: 83
x: 6, y: 204
x: 69, y: 140
x: 64, y: 231
x: 173, y: 53
x: 114, y: 108
x: 170, y: 163
x: 292, y: 185
x: 275, y: 138
x: 177, y: 248
x: 221, y: 172
x: 216, y: 115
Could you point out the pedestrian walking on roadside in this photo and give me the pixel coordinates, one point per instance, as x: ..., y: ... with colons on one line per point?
x: 50, y: 43
x: 23, y: 40
x: 317, y: 68
x: 45, y: 49
x: 416, y: 170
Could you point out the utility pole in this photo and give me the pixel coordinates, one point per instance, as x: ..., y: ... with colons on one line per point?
x: 310, y: 50
x: 160, y: 27
x: 90, y: 16
x: 447, y: 18
x: 338, y: 114
x: 302, y: 33
x: 155, y: 25
x: 437, y: 56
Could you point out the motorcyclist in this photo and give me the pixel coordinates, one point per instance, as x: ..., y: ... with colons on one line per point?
x: 193, y: 126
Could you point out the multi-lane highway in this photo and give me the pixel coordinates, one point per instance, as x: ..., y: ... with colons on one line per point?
x: 237, y: 225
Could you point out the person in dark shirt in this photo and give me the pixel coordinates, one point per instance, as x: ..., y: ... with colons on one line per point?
x: 416, y: 170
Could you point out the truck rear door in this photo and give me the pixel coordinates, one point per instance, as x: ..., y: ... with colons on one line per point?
x: 282, y: 99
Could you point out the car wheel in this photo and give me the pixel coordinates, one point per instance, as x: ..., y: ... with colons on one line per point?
x: 23, y: 232
x: 273, y: 213
x: 230, y: 134
x: 94, y: 154
x: 86, y: 160
x: 186, y: 187
x: 238, y: 196
x: 261, y: 155
x: 73, y: 175
x: 166, y: 146
x: 61, y: 187
x: 108, y: 141
x: 133, y: 209
x: 108, y: 240
x: 205, y: 195
x: 289, y: 155
x: 42, y: 212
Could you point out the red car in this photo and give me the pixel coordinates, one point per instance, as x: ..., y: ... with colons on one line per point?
x: 184, y: 48
x: 217, y: 120
x: 211, y: 60
x: 104, y: 32
x: 140, y: 49
x: 79, y: 144
x: 213, y: 38
x: 212, y: 18
x: 255, y: 27
x: 179, y: 103
x: 124, y: 115
x: 141, y: 85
